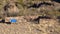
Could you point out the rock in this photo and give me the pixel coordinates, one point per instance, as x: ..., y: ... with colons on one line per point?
x: 11, y: 9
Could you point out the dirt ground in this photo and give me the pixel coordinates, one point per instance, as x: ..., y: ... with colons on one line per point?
x: 45, y: 27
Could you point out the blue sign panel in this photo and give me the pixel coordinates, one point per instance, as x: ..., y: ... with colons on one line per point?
x: 13, y: 20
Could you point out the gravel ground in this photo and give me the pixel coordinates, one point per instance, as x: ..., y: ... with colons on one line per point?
x: 45, y: 27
